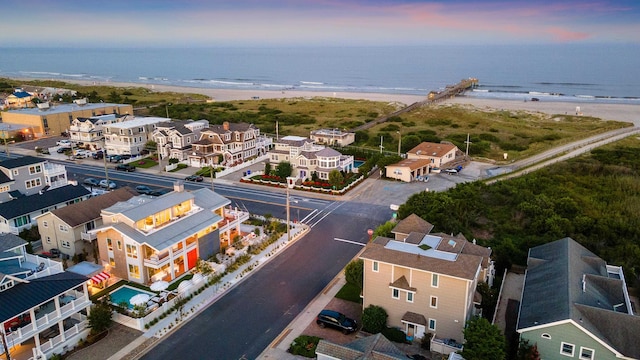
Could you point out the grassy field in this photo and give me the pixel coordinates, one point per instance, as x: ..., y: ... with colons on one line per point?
x: 520, y: 134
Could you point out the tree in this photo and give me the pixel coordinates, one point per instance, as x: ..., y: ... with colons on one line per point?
x: 267, y: 168
x: 409, y: 142
x: 354, y: 272
x: 151, y: 145
x: 483, y: 341
x: 527, y: 351
x: 100, y: 317
x: 284, y: 169
x: 335, y: 178
x: 114, y: 97
x: 374, y: 319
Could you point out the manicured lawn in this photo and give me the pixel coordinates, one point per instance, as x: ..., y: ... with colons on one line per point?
x: 350, y: 292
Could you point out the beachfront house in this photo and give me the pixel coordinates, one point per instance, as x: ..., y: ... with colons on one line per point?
x: 175, y: 138
x: 576, y: 306
x: 425, y: 282
x: 67, y: 229
x: 42, y: 316
x: 228, y: 145
x: 145, y: 239
x: 55, y: 119
x: 129, y: 137
x: 332, y: 137
x: 308, y: 158
x: 88, y: 130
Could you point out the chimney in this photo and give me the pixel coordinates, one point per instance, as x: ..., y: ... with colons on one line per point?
x: 178, y: 186
x: 225, y: 125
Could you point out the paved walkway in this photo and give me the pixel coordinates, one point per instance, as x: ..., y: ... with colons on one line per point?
x: 511, y: 289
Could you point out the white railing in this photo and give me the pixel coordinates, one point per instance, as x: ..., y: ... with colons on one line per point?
x: 88, y: 236
x: 242, y: 165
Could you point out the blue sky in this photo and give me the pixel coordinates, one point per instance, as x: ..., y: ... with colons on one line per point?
x: 316, y: 22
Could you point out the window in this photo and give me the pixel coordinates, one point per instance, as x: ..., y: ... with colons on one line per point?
x: 32, y: 183
x: 395, y: 294
x: 112, y: 261
x: 375, y: 266
x: 109, y: 244
x: 65, y: 244
x: 48, y: 239
x: 545, y: 336
x: 22, y: 220
x: 432, y: 324
x: 132, y: 251
x: 409, y: 296
x: 586, y: 353
x: 35, y: 169
x: 45, y: 223
x: 134, y: 271
x: 566, y: 349
x: 434, y: 280
x: 15, y: 172
x: 63, y: 228
x: 119, y: 245
x: 434, y: 302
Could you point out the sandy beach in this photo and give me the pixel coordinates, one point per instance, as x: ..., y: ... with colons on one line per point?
x: 619, y: 112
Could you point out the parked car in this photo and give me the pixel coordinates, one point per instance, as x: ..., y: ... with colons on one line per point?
x: 125, y: 167
x: 196, y: 178
x: 98, y: 155
x: 143, y: 189
x: 451, y: 171
x: 103, y: 184
x: 91, y: 182
x: 159, y: 192
x: 63, y: 149
x: 64, y: 142
x: 115, y: 158
x: 336, y: 320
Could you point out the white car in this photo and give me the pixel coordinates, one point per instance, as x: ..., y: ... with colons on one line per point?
x: 103, y: 184
x: 65, y: 143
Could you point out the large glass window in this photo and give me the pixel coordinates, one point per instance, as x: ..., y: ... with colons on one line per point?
x: 134, y: 271
x: 132, y: 251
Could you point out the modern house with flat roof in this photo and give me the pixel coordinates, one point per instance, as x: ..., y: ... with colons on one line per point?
x: 425, y: 282
x: 332, y: 137
x: 145, y: 239
x: 56, y: 119
x: 67, y: 229
x: 576, y: 306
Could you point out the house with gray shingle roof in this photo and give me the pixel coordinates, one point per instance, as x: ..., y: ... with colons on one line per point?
x: 373, y: 347
x: 175, y: 138
x: 425, y: 282
x: 44, y: 316
x: 308, y: 158
x: 575, y: 305
x: 15, y: 261
x: 67, y: 228
x: 150, y: 238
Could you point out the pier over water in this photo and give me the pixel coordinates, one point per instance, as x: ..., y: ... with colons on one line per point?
x: 434, y: 96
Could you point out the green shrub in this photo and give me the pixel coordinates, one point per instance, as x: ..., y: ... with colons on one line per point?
x: 374, y: 319
x: 395, y: 335
x: 304, y: 345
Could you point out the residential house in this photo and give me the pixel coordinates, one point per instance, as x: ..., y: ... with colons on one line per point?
x: 372, y: 347
x: 19, y: 99
x: 228, y: 144
x: 425, y: 282
x: 67, y: 228
x: 332, y: 137
x: 55, y: 120
x: 17, y: 262
x: 438, y: 153
x: 88, y: 130
x: 576, y: 306
x: 43, y: 316
x: 308, y: 158
x: 151, y: 238
x: 408, y: 170
x: 175, y: 138
x: 129, y: 137
x: 21, y: 213
x: 28, y: 175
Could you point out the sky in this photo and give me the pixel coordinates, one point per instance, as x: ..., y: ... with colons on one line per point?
x: 205, y: 23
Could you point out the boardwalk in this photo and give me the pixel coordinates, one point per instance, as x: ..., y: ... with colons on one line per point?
x: 434, y: 96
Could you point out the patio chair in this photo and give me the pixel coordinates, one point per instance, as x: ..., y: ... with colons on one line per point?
x: 40, y: 267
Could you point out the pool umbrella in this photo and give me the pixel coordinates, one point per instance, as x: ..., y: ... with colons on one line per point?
x: 139, y: 299
x: 159, y: 285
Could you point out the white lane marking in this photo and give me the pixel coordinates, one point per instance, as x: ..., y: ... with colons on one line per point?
x: 350, y: 241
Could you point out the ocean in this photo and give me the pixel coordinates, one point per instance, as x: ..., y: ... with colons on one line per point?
x: 590, y: 73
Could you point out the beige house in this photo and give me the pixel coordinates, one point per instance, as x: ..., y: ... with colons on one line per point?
x: 67, y: 228
x: 425, y: 282
x: 130, y: 136
x: 408, y: 170
x: 438, y: 154
x: 54, y: 120
x: 145, y: 239
x: 332, y: 137
x: 175, y: 138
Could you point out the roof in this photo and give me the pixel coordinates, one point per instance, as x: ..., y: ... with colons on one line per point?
x: 571, y: 283
x: 135, y: 122
x: 88, y: 210
x: 66, y: 108
x: 411, y: 256
x: 328, y: 152
x: 21, y: 94
x: 412, y: 223
x: 412, y: 164
x: 28, y: 204
x: 10, y: 241
x: 20, y: 162
x: 373, y: 347
x: 24, y: 296
x: 432, y: 149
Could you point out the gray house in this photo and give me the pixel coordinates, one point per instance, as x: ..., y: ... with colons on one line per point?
x: 575, y: 306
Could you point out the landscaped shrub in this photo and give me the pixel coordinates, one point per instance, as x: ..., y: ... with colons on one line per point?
x: 395, y: 335
x: 304, y: 345
x: 374, y: 319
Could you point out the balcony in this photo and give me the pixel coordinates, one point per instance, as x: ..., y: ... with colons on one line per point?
x: 157, y: 260
x: 88, y: 236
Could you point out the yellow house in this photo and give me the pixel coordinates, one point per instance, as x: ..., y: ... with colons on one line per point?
x: 425, y: 282
x: 54, y: 120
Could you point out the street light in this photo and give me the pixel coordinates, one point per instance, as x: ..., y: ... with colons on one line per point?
x: 290, y: 182
x: 399, y: 141
x: 166, y: 107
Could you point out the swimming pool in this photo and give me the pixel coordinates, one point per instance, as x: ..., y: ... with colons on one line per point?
x: 126, y: 292
x: 357, y: 163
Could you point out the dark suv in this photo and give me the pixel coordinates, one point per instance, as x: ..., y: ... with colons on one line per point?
x: 125, y: 167
x: 336, y: 320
